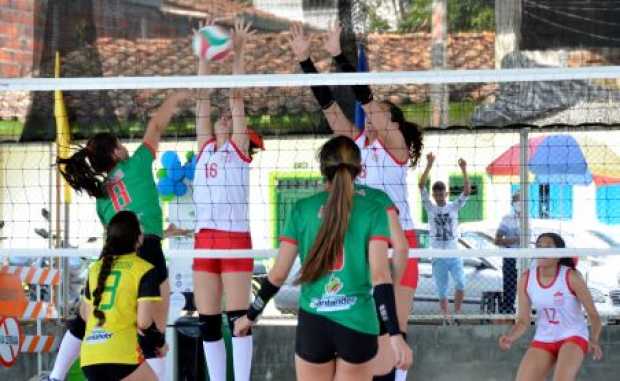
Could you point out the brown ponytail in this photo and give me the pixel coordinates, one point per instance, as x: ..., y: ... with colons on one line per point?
x: 340, y: 164
x: 411, y: 133
x: 122, y: 237
x: 85, y: 170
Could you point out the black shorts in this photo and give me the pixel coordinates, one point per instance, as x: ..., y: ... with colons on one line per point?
x: 152, y: 252
x: 320, y: 340
x: 108, y: 372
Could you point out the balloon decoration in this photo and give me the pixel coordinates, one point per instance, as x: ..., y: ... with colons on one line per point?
x: 171, y: 178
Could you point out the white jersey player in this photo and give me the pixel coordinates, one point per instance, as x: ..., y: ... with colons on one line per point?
x: 558, y: 293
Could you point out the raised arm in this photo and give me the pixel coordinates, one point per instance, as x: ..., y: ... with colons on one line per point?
x: 430, y: 159
x: 523, y: 318
x: 237, y: 108
x: 158, y: 123
x: 204, y: 128
x: 580, y: 288
x: 378, y: 113
x: 466, y: 184
x: 337, y: 121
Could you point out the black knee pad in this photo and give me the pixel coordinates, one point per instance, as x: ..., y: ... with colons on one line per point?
x: 211, y: 327
x: 77, y: 327
x: 386, y: 377
x: 150, y: 340
x: 232, y: 316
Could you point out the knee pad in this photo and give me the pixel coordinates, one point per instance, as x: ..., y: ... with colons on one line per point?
x: 211, y: 327
x: 231, y: 316
x: 150, y: 340
x: 391, y: 376
x: 77, y: 327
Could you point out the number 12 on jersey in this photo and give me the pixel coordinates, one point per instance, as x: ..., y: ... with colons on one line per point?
x: 551, y: 315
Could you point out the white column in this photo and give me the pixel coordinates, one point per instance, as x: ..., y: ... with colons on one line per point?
x: 508, y: 28
x: 439, y: 57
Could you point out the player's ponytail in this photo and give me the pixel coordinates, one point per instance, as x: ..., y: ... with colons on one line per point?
x: 411, y: 133
x: 122, y: 237
x: 85, y: 170
x: 340, y: 164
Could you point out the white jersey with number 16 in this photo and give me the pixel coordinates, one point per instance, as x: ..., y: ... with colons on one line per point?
x: 221, y: 188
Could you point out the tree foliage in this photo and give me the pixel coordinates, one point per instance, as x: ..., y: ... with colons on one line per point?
x: 463, y: 16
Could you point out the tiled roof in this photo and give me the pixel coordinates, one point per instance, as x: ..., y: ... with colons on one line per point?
x: 216, y: 7
x: 268, y: 53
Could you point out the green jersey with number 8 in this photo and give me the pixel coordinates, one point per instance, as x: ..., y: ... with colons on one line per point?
x: 131, y: 186
x: 344, y: 295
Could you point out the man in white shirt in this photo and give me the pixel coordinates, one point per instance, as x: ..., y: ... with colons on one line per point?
x: 443, y: 222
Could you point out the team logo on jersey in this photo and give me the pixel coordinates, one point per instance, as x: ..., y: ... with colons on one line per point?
x: 558, y: 299
x: 331, y: 300
x: 333, y: 286
x: 98, y: 336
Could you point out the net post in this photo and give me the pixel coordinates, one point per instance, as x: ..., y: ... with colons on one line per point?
x: 523, y: 197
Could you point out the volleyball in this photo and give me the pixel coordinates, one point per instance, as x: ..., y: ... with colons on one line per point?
x: 212, y: 43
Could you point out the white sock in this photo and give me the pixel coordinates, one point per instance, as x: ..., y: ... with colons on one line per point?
x: 215, y: 353
x: 67, y: 354
x: 401, y: 375
x: 159, y: 367
x: 242, y: 357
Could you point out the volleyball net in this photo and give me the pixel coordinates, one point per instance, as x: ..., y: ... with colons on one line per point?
x: 545, y: 141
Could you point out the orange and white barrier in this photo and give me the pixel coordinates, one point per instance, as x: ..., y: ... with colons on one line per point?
x: 33, y: 274
x: 39, y: 344
x: 39, y: 311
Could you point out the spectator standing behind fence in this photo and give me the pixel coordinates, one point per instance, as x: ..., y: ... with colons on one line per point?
x: 443, y: 219
x: 508, y: 236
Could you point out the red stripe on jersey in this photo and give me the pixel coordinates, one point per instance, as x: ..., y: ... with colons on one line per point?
x: 399, y: 162
x: 359, y: 135
x: 379, y: 238
x: 204, y: 145
x: 151, y: 149
x: 288, y: 240
x: 245, y: 157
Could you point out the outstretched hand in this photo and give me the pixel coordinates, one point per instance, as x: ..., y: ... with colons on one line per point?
x: 462, y: 164
x: 430, y: 159
x: 240, y: 35
x: 332, y: 44
x: 300, y: 43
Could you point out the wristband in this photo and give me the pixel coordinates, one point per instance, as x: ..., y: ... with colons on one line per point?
x: 386, y: 305
x: 266, y: 292
x: 362, y: 92
x: 323, y: 94
x: 151, y: 341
